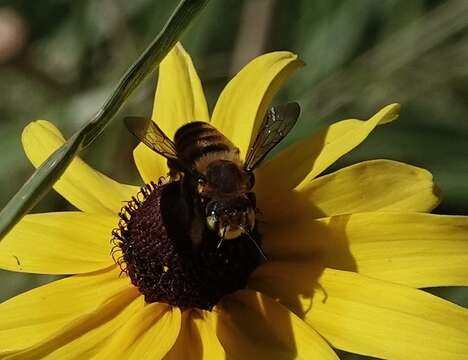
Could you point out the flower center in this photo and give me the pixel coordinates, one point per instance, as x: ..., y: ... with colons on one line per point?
x: 157, y: 253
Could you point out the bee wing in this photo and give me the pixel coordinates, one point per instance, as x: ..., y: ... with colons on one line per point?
x: 277, y: 123
x: 151, y: 135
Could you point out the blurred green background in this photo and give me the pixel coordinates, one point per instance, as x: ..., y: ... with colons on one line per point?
x: 60, y: 59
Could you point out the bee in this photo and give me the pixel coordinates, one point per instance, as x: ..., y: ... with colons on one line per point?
x: 216, y: 184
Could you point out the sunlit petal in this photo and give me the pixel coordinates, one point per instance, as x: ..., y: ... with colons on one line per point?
x: 37, y: 314
x: 179, y: 99
x: 303, y: 161
x: 59, y: 243
x: 376, y: 185
x: 148, y: 334
x: 87, y: 334
x: 82, y: 186
x: 244, y: 101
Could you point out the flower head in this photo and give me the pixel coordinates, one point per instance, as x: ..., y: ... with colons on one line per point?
x: 346, y: 251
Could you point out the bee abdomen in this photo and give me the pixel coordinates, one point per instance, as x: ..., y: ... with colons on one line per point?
x: 197, y: 139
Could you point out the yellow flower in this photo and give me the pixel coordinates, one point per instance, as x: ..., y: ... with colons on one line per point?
x: 346, y: 251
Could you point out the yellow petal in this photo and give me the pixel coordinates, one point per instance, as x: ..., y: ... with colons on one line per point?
x: 59, y: 243
x: 197, y: 338
x: 244, y: 101
x: 206, y: 327
x: 375, y: 318
x: 149, y: 334
x: 150, y: 165
x: 87, y: 334
x: 37, y: 314
x: 82, y: 186
x: 253, y: 326
x: 377, y: 185
x: 303, y: 161
x: 179, y: 99
x: 187, y: 344
x: 179, y: 94
x: 418, y: 250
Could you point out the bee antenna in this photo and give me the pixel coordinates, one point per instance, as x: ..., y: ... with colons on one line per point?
x: 222, y: 239
x: 255, y: 243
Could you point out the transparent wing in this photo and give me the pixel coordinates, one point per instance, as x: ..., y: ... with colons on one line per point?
x: 277, y: 123
x: 151, y: 135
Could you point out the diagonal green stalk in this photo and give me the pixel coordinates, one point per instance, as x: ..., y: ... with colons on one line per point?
x: 49, y: 172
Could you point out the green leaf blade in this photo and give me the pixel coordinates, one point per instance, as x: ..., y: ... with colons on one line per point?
x: 50, y: 171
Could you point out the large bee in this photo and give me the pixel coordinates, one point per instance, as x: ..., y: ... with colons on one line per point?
x: 216, y: 183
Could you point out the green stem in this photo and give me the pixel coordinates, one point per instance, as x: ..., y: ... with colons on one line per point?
x: 50, y: 171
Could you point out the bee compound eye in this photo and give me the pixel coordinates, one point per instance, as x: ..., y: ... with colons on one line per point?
x: 209, y: 208
x: 201, y: 183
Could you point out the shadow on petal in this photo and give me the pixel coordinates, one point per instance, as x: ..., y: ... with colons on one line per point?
x: 298, y: 253
x: 252, y: 325
x: 197, y: 338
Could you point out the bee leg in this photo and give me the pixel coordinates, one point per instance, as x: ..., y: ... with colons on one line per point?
x: 163, y: 180
x: 175, y: 171
x: 170, y: 177
x: 197, y: 226
x: 196, y: 231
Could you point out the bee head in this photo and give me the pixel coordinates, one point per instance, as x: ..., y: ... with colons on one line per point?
x: 229, y: 203
x: 230, y: 217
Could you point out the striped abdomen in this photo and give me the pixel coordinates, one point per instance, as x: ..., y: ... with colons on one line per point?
x: 195, y: 140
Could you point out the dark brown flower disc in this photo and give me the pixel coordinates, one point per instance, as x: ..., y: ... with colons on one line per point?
x: 159, y: 258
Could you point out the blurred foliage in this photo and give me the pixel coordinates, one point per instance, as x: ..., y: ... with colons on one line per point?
x: 64, y: 58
